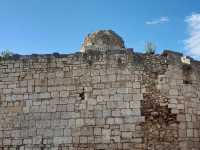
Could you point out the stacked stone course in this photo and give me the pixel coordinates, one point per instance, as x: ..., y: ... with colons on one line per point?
x: 99, y: 100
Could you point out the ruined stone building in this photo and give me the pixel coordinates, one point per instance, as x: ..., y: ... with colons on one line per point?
x: 106, y: 97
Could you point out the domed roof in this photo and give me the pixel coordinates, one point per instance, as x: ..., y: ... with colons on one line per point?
x: 103, y: 39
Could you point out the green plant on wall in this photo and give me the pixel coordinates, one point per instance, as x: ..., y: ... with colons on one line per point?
x: 6, y: 54
x: 150, y: 48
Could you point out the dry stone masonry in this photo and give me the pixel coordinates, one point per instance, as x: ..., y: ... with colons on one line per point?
x: 100, y: 100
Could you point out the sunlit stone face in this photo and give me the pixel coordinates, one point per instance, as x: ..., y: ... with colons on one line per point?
x: 105, y: 39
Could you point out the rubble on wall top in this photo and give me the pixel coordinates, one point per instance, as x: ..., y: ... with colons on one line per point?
x: 107, y: 41
x: 168, y: 54
x: 127, y: 55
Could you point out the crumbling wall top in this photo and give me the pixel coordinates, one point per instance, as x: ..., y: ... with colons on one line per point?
x: 102, y: 40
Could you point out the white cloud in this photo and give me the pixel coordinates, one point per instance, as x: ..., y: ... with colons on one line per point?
x: 192, y: 43
x: 158, y: 21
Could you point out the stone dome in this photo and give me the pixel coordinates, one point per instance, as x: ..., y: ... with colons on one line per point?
x: 103, y: 39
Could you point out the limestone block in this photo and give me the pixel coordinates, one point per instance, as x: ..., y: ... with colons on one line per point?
x: 43, y: 123
x: 98, y: 139
x: 44, y: 95
x: 127, y: 97
x: 50, y: 108
x: 71, y: 123
x: 108, y: 78
x: 14, y: 109
x: 115, y: 132
x: 64, y: 93
x: 92, y: 101
x: 59, y: 74
x: 7, y: 141
x: 62, y: 140
x: 131, y: 119
x: 116, y: 97
x: 116, y: 113
x: 98, y: 114
x: 122, y: 90
x: 110, y: 121
x: 127, y: 112
x: 96, y: 79
x: 126, y: 135
x: 110, y: 91
x: 124, y: 105
x: 97, y: 92
x: 136, y: 85
x: 127, y: 127
x: 181, y: 118
x: 1, y: 134
x: 45, y: 132
x: 106, y: 135
x: 173, y: 101
x: 79, y: 123
x: 137, y: 97
x: 182, y: 133
x: 135, y: 104
x: 89, y: 121
x: 7, y: 91
x: 174, y: 111
x: 15, y: 133
x: 118, y: 120
x: 83, y: 139
x: 117, y: 104
x: 101, y: 98
x: 172, y: 105
x: 68, y: 115
x: 188, y: 117
x: 97, y: 131
x: 173, y: 92
x: 86, y: 131
x: 27, y: 141
x: 67, y: 132
x: 37, y: 139
x: 190, y: 133
x: 116, y: 139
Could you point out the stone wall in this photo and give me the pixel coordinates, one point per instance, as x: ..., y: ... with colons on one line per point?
x: 99, y: 100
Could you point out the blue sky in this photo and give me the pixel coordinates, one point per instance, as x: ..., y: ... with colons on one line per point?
x: 47, y: 26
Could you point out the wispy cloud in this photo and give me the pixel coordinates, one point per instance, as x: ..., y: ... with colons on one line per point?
x: 192, y: 43
x: 161, y: 20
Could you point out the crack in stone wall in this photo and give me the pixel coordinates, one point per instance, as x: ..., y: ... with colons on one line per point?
x: 161, y: 126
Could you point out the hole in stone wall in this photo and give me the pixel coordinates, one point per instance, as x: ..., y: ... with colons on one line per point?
x: 42, y: 148
x: 59, y: 147
x: 119, y: 61
x: 42, y: 144
x: 187, y: 82
x: 82, y: 95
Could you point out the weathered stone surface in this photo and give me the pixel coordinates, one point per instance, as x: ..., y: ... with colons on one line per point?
x: 103, y: 39
x: 119, y: 100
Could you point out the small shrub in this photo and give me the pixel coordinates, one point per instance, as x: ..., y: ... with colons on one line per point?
x: 6, y: 54
x: 150, y: 48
